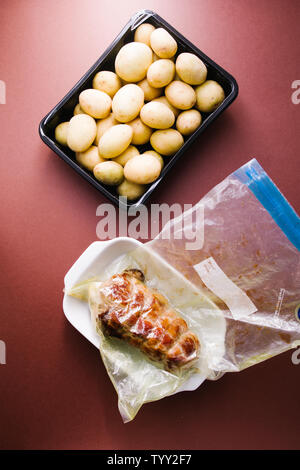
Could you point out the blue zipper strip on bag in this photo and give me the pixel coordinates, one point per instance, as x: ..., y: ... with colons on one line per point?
x: 261, y: 185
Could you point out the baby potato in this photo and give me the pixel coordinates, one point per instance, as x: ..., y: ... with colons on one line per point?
x: 181, y: 95
x: 209, y: 96
x: 163, y: 99
x: 142, y: 169
x: 115, y: 141
x: 78, y: 110
x: 61, y: 132
x: 188, y: 121
x: 191, y: 69
x: 141, y: 132
x: 110, y: 173
x: 81, y: 132
x: 156, y: 155
x: 103, y: 125
x: 166, y: 142
x: 96, y: 103
x: 161, y: 73
x: 157, y: 115
x: 127, y: 102
x: 163, y: 44
x: 90, y: 158
x: 132, y: 61
x: 130, y: 190
x: 150, y: 93
x: 143, y: 33
x: 107, y: 81
x: 125, y: 156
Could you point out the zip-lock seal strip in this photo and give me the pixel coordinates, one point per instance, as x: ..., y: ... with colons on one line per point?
x: 263, y: 188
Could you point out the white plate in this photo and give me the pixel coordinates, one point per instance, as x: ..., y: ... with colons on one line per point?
x: 93, y: 261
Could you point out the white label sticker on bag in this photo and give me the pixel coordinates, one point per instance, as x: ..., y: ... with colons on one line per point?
x: 216, y: 280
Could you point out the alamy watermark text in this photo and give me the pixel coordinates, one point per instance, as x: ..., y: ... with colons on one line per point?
x: 2, y: 352
x: 2, y: 92
x: 162, y: 220
x: 295, y: 97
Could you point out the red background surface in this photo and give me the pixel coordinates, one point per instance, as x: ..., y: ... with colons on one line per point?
x: 54, y: 390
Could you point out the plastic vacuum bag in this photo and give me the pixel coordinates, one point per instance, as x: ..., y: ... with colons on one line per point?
x: 230, y: 267
x: 138, y: 380
x: 248, y: 264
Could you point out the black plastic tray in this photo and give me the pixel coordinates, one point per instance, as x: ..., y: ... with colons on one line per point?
x: 63, y: 111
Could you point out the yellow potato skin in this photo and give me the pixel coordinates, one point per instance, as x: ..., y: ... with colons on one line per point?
x: 157, y: 115
x: 188, y: 121
x: 150, y: 92
x: 61, y: 133
x: 164, y: 100
x: 128, y: 102
x: 131, y: 190
x: 163, y: 44
x: 161, y: 73
x: 191, y: 69
x: 78, y: 110
x: 141, y: 132
x: 143, y: 33
x: 109, y: 173
x: 143, y: 169
x: 90, y: 158
x: 96, y: 103
x: 155, y: 155
x: 166, y: 142
x: 132, y: 61
x: 103, y: 125
x: 107, y: 81
x: 81, y: 132
x: 115, y: 141
x: 181, y: 95
x: 209, y: 96
x: 125, y: 156
x: 155, y: 57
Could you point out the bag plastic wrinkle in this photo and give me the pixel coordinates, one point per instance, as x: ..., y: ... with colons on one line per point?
x: 239, y: 291
x: 252, y: 235
x: 138, y: 380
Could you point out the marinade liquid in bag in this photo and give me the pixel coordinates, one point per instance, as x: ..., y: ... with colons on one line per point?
x: 248, y: 264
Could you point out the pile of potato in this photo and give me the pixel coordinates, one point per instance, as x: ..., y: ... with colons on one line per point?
x: 150, y: 98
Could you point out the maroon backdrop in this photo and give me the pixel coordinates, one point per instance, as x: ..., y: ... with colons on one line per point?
x: 54, y: 390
